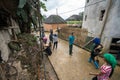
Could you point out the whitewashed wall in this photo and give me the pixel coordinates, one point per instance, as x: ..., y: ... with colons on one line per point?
x: 92, y: 10
x: 4, y: 40
x: 112, y: 27
x: 94, y: 26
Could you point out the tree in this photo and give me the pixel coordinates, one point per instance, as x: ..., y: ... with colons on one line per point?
x: 44, y: 17
x: 28, y: 14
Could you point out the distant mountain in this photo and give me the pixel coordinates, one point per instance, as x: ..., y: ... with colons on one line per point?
x: 73, y: 18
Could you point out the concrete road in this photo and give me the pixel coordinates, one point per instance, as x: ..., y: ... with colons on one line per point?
x: 75, y: 67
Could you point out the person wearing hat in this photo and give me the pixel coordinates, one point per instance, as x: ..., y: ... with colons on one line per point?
x: 107, y: 69
x: 95, y: 51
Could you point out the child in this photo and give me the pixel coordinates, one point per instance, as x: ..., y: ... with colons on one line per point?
x: 106, y: 69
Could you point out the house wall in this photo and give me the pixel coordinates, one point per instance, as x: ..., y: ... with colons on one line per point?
x: 94, y: 25
x: 112, y: 27
x: 4, y: 40
x: 47, y: 27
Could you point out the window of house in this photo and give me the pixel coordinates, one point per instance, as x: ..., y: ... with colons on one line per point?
x: 87, y: 1
x: 102, y: 15
x: 85, y: 17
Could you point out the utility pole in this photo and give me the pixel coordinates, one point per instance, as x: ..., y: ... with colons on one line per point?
x: 57, y: 14
x: 106, y: 16
x: 56, y: 11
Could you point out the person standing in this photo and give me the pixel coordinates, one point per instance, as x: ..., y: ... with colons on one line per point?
x: 107, y: 69
x: 71, y: 41
x: 55, y: 41
x: 51, y: 36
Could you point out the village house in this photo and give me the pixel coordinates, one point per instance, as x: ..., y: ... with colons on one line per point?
x: 75, y: 19
x: 54, y: 22
x: 101, y: 19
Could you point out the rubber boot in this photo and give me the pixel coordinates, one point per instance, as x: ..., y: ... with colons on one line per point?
x: 96, y: 64
x: 90, y: 59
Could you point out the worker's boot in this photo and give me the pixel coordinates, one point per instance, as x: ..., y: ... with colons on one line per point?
x: 96, y: 64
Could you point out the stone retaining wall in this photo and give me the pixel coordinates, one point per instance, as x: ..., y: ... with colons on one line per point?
x: 80, y: 34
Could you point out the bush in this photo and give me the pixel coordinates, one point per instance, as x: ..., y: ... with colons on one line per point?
x: 14, y: 46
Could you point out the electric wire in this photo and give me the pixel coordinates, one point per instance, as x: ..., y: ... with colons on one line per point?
x: 82, y: 7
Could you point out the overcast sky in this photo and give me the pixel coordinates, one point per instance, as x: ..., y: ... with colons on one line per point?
x: 65, y: 8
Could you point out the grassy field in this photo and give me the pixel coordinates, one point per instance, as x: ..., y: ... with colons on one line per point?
x: 74, y: 22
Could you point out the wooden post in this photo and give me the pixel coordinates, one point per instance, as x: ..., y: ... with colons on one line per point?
x: 38, y: 72
x: 105, y: 18
x: 14, y: 35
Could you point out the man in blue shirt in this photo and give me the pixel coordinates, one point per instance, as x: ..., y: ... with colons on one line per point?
x: 71, y: 41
